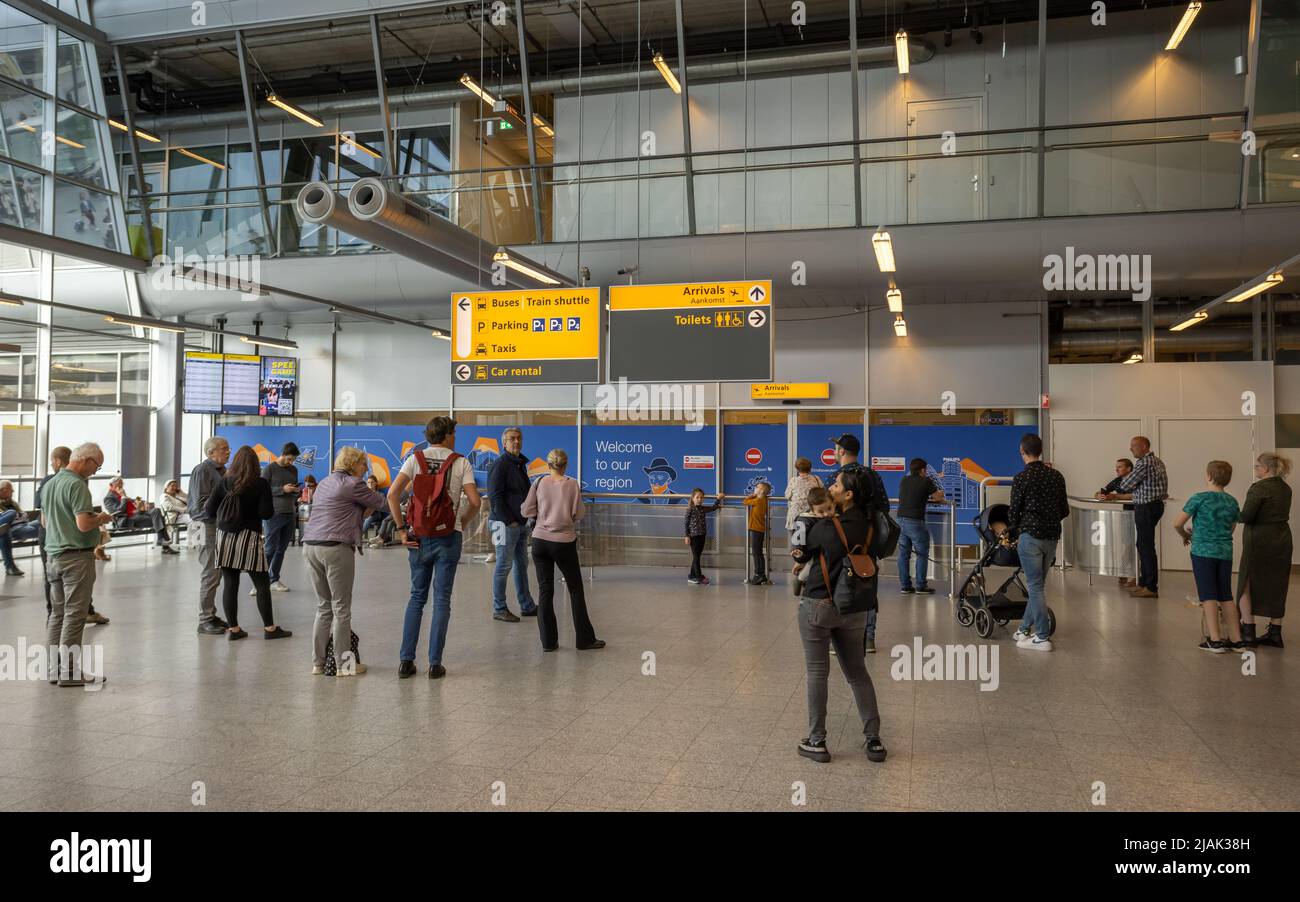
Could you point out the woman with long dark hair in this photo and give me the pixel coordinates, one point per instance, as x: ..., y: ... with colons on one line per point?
x: 821, y: 623
x: 239, y: 539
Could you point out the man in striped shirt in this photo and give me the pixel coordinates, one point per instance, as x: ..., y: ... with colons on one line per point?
x: 1147, y: 487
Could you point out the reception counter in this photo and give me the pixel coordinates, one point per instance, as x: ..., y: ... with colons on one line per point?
x: 1102, y: 537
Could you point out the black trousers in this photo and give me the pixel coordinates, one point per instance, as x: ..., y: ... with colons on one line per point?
x: 230, y: 595
x: 697, y: 549
x: 546, y: 557
x: 1147, y: 518
x: 758, y: 553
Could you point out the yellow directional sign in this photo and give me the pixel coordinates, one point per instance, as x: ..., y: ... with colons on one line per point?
x: 691, y: 296
x: 545, y: 335
x: 776, y: 391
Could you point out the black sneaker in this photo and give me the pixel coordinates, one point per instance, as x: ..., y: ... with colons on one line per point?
x: 211, y: 629
x: 531, y: 612
x: 925, y: 590
x: 1215, y: 646
x: 907, y: 590
x: 875, y: 750
x: 815, y: 751
x: 599, y: 643
x: 219, y: 622
x: 437, y: 671
x: 406, y: 669
x: 277, y: 633
x: 506, y: 616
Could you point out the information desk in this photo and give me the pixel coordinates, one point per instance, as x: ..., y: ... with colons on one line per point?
x: 1102, y: 537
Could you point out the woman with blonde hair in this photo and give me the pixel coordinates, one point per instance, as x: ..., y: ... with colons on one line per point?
x: 1265, y: 569
x: 330, y: 541
x: 556, y: 501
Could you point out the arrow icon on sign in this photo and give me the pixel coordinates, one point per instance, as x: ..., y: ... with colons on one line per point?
x: 756, y: 294
x: 463, y: 304
x: 757, y: 318
x: 463, y: 372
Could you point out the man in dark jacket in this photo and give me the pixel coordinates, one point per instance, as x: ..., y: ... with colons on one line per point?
x: 1038, y: 505
x: 203, y: 481
x: 507, y: 488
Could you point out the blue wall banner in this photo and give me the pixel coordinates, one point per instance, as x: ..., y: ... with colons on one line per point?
x: 958, y: 457
x: 754, y: 452
x: 648, y: 459
x: 816, y: 441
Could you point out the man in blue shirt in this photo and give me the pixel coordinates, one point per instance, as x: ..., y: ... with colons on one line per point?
x: 507, y: 488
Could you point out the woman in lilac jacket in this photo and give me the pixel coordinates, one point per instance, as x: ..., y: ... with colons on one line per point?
x: 330, y: 541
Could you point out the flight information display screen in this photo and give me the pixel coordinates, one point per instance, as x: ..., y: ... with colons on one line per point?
x: 203, y: 377
x: 241, y: 384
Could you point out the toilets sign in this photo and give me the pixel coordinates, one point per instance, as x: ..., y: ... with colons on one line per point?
x: 525, y: 337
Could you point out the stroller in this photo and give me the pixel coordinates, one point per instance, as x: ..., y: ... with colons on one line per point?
x: 976, y: 604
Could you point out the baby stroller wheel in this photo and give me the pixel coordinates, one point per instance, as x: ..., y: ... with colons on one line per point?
x: 1051, y: 622
x: 965, y: 613
x: 983, y: 623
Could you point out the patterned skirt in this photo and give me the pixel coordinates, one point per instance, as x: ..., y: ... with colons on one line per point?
x: 241, y: 551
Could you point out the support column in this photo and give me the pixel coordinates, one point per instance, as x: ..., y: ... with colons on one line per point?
x: 1042, y: 105
x: 44, y: 341
x: 381, y: 85
x: 686, y: 122
x: 853, y: 94
x: 525, y: 81
x: 334, y: 372
x: 167, y: 395
x: 250, y: 114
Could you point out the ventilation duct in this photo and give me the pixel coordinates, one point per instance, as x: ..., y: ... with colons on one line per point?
x: 1206, y: 337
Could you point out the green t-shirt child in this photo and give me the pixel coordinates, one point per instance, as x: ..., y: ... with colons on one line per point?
x: 1213, y: 516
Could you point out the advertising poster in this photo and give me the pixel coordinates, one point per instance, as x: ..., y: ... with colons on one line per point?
x: 755, y: 452
x: 958, y: 457
x: 816, y: 441
x: 648, y: 460
x: 279, y: 392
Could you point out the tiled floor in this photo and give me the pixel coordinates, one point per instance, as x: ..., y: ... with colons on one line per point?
x: 1126, y: 701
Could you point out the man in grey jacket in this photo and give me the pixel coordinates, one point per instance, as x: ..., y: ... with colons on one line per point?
x: 203, y: 480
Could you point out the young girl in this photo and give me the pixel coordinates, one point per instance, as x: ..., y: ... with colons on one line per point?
x: 697, y: 530
x: 1213, y: 513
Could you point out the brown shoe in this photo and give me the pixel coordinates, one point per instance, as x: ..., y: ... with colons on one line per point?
x: 1126, y: 582
x: 1144, y: 592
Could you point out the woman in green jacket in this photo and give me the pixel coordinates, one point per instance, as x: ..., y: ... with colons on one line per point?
x: 1265, y: 550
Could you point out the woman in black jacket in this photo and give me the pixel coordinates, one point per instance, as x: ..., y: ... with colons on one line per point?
x: 820, y: 623
x: 239, y: 540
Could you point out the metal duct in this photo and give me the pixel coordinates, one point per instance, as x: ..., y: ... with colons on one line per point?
x: 1077, y: 319
x: 1204, y: 337
x: 421, y: 97
x: 319, y: 204
x: 373, y: 202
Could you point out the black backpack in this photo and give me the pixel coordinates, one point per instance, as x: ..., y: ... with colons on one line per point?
x: 884, y: 534
x: 229, y: 512
x: 856, y: 589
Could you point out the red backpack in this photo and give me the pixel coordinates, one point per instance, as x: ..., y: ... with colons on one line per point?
x: 431, y: 512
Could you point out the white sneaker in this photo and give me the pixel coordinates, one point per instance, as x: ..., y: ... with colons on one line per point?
x: 1034, y: 643
x: 317, y: 669
x: 1020, y: 635
x: 252, y: 591
x: 357, y: 670
x: 278, y: 586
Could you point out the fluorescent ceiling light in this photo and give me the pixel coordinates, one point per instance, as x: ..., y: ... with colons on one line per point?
x: 10, y: 301
x: 138, y: 133
x: 1189, y: 16
x: 900, y: 326
x: 439, y: 333
x: 283, y: 343
x: 884, y: 248
x: 1136, y: 358
x: 1267, y: 284
x: 667, y: 73
x: 543, y: 126
x: 895, y: 299
x: 472, y: 85
x: 503, y: 257
x: 294, y: 111
x: 1192, y: 320
x: 144, y: 323
x: 69, y: 142
x: 359, y: 146
x: 194, y: 156
x: 900, y: 51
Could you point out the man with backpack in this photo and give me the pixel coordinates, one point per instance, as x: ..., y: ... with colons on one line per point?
x: 431, y: 531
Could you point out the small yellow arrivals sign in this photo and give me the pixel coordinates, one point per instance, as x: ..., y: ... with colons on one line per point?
x: 780, y: 391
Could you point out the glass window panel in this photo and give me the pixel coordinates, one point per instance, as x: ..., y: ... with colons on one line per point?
x: 23, y: 116
x: 361, y: 154
x: 77, y: 152
x: 22, y: 47
x: 135, y: 377
x: 199, y: 232
x: 9, y: 368
x: 74, y: 86
x: 84, y: 377
x: 423, y: 154
x: 199, y: 179
x: 20, y: 197
x: 84, y: 215
x: 307, y: 160
x: 28, y: 387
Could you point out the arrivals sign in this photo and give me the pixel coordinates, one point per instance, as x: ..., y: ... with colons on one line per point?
x: 780, y: 391
x: 525, y: 337
x: 695, y: 332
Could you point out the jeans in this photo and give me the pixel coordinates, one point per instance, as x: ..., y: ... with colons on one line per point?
x: 913, y: 536
x: 546, y: 557
x: 820, y: 624
x: 435, y: 562
x: 1036, y: 556
x: 278, y: 531
x: 332, y: 569
x: 511, y: 543
x: 374, y: 521
x: 17, y: 532
x: 1147, y: 517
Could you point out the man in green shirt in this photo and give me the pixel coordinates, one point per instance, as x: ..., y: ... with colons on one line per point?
x: 71, y: 534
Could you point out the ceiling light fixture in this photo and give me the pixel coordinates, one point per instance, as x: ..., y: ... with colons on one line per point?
x: 667, y: 73
x: 1185, y: 23
x: 472, y: 85
x: 1198, y: 316
x: 144, y: 323
x: 543, y: 126
x: 282, y: 343
x: 1266, y: 284
x: 533, y: 271
x: 359, y: 146
x: 1136, y: 358
x: 69, y: 142
x: 894, y: 297
x: 294, y: 111
x: 439, y: 333
x: 138, y: 133
x: 194, y: 156
x: 901, y: 52
x: 884, y: 248
x: 9, y: 300
x: 900, y: 326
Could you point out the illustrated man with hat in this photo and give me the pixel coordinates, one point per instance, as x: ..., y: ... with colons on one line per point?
x: 661, y: 475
